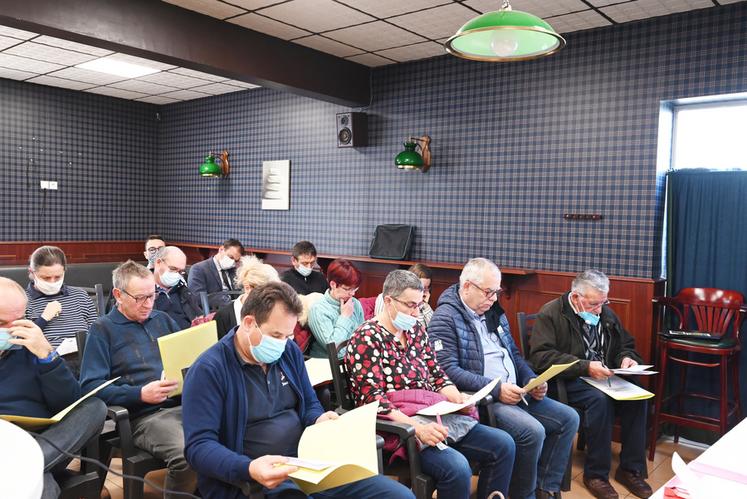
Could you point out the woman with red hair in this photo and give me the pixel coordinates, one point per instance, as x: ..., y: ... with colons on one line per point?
x: 338, y: 314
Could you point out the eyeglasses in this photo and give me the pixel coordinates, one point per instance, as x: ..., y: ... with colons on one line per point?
x: 141, y: 298
x: 489, y: 293
x: 153, y: 249
x: 348, y: 290
x: 409, y: 304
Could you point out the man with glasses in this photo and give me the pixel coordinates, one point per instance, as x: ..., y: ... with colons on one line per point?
x: 302, y: 277
x: 580, y: 326
x: 124, y: 343
x: 172, y: 294
x: 471, y: 337
x: 152, y: 245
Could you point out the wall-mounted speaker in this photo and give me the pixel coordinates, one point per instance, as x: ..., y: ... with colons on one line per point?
x: 352, y: 129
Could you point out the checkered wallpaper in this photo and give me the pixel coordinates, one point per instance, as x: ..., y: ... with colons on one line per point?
x: 100, y: 150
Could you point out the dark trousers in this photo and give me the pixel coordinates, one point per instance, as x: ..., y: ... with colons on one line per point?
x: 599, y: 411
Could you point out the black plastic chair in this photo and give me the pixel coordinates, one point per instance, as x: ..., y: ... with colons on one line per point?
x: 86, y: 482
x: 97, y: 295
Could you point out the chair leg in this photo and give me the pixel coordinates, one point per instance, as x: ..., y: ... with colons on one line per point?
x: 660, y: 393
x: 724, y: 402
x: 133, y: 489
x: 681, y: 397
x: 735, y: 383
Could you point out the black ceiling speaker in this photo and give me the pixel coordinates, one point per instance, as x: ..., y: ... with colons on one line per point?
x: 352, y: 129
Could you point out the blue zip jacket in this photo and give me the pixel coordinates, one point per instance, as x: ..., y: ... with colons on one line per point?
x: 215, y: 411
x: 459, y: 349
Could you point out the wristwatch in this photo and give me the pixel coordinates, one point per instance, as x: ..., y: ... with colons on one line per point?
x: 50, y: 358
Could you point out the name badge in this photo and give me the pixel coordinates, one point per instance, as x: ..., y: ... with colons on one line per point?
x: 438, y: 345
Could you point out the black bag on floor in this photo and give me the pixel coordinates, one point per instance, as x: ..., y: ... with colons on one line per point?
x: 392, y: 242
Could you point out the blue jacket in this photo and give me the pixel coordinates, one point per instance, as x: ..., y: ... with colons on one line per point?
x: 459, y: 349
x: 215, y: 412
x: 204, y: 276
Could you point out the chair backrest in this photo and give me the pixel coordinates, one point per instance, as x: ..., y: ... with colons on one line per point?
x: 340, y: 378
x: 709, y: 309
x: 80, y: 339
x: 97, y: 295
x: 526, y: 324
x: 210, y: 303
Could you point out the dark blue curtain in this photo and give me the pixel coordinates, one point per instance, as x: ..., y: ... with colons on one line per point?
x: 707, y: 246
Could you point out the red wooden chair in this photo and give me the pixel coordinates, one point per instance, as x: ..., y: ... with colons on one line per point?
x: 704, y: 309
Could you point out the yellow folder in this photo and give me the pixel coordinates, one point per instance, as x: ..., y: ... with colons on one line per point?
x: 181, y: 349
x: 346, y: 446
x: 29, y: 423
x: 549, y: 373
x: 619, y: 389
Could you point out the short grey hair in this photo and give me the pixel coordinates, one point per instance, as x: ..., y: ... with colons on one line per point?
x: 163, y: 252
x: 475, y: 269
x: 121, y: 275
x: 9, y: 285
x: 399, y: 281
x: 590, y: 278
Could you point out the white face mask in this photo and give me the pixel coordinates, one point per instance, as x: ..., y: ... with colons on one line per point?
x: 170, y: 279
x: 304, y: 270
x: 226, y: 262
x: 48, y: 288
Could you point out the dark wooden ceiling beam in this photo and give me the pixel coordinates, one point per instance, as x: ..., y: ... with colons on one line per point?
x: 172, y: 35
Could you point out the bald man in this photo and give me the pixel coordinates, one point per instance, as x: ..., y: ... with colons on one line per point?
x: 37, y: 382
x: 172, y: 294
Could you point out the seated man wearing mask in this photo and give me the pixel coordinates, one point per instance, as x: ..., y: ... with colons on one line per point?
x: 152, y: 245
x: 124, y: 343
x: 302, y: 277
x: 37, y: 383
x: 247, y: 400
x: 172, y: 294
x: 580, y: 326
x: 217, y: 273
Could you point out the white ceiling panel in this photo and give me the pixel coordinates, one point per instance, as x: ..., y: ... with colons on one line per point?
x: 197, y: 74
x: 414, y: 52
x: 602, y: 3
x: 211, y: 8
x: 377, y: 35
x: 642, y: 9
x: 144, y: 87
x: 389, y: 8
x: 269, y: 26
x: 371, y: 60
x: 330, y: 46
x: 15, y: 74
x: 6, y: 41
x: 157, y: 99
x: 131, y: 59
x: 217, y: 89
x: 173, y: 80
x: 316, y: 15
x: 77, y: 47
x: 541, y: 8
x: 253, y: 4
x: 186, y: 95
x: 60, y: 82
x: 49, y: 54
x: 23, y: 64
x: 16, y: 33
x: 115, y: 92
x: 437, y: 22
x: 579, y: 21
x: 86, y: 75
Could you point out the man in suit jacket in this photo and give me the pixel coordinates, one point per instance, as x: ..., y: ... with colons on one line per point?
x: 217, y: 273
x: 172, y: 294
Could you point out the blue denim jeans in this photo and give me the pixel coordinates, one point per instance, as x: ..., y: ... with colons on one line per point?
x: 375, y: 487
x: 599, y: 415
x: 543, y: 433
x: 491, y: 448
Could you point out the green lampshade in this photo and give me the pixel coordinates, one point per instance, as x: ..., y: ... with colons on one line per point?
x: 505, y: 35
x: 210, y: 168
x: 409, y: 159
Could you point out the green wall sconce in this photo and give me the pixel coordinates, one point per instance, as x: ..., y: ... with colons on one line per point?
x: 213, y: 167
x: 411, y: 159
x: 505, y: 35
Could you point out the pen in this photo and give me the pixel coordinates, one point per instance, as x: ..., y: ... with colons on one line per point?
x: 163, y: 375
x: 438, y: 419
x: 523, y: 398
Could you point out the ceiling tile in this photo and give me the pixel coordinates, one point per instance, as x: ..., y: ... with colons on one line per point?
x: 602, y: 3
x: 641, y: 9
x: 197, y: 74
x: 269, y: 26
x: 371, y: 60
x: 316, y: 15
x: 144, y: 87
x: 59, y: 82
x: 217, y: 89
x: 6, y: 41
x: 437, y: 22
x: 211, y: 8
x: 414, y: 52
x: 253, y: 4
x: 377, y: 35
x: 15, y: 74
x: 86, y: 75
x: 50, y: 54
x: 115, y: 92
x: 140, y: 61
x: 326, y: 45
x: 157, y: 99
x: 16, y: 33
x: 25, y: 64
x: 242, y: 84
x: 541, y: 8
x: 173, y: 80
x: 578, y: 21
x: 77, y: 47
x: 389, y: 8
x: 186, y: 95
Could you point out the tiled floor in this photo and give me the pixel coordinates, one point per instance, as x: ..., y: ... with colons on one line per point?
x: 660, y: 470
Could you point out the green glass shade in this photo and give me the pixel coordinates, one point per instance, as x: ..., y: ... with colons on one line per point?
x: 409, y: 158
x: 505, y: 35
x: 210, y: 168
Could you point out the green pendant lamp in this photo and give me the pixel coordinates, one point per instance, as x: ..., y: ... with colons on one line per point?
x: 213, y: 168
x: 505, y: 35
x: 410, y: 159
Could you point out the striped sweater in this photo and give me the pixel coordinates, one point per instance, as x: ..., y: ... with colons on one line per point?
x: 78, y: 312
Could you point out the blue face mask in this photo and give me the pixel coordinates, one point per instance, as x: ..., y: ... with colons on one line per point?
x: 403, y: 321
x: 304, y: 270
x: 589, y: 318
x: 170, y: 279
x: 269, y: 349
x: 4, y: 343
